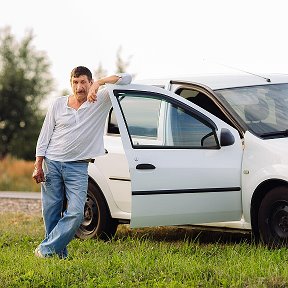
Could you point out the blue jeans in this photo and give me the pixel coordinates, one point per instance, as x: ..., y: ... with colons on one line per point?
x: 68, y: 179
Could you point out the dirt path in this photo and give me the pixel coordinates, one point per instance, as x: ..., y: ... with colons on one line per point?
x: 30, y: 206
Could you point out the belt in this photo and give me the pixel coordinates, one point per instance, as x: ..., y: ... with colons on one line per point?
x: 86, y: 161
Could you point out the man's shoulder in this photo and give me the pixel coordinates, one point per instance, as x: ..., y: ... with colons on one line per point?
x: 60, y: 100
x: 57, y: 103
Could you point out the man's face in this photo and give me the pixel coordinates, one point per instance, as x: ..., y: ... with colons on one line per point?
x: 80, y: 86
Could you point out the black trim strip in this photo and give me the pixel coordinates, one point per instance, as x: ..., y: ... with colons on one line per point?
x: 119, y: 179
x: 186, y: 191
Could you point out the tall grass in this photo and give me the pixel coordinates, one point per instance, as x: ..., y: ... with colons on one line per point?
x: 158, y: 257
x: 16, y: 175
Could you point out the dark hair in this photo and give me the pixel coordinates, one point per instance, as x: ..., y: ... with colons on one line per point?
x: 81, y: 70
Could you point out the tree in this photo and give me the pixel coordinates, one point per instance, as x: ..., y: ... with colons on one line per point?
x: 100, y: 72
x: 121, y: 65
x: 24, y: 82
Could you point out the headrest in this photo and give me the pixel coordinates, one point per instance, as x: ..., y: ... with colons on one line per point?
x: 256, y: 112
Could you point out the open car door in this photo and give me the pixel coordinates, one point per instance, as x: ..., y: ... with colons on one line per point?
x: 180, y: 172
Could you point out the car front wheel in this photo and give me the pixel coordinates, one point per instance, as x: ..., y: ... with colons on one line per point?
x: 97, y: 221
x: 273, y: 217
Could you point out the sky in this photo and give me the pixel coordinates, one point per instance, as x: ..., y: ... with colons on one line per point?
x: 162, y: 38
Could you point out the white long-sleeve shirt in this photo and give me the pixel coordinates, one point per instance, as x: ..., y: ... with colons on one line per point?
x: 69, y: 135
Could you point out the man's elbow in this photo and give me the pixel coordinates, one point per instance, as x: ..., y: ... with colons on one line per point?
x: 126, y: 79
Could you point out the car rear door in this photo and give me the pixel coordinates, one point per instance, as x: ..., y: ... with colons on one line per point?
x: 183, y: 175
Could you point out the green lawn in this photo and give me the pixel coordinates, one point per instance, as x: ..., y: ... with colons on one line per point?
x: 159, y: 257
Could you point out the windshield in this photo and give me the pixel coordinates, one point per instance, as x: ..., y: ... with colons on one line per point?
x: 264, y: 109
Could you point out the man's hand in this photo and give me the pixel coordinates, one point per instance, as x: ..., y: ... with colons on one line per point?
x: 38, y: 174
x: 92, y: 93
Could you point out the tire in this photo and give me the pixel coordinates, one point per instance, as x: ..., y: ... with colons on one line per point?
x: 97, y: 221
x: 273, y: 217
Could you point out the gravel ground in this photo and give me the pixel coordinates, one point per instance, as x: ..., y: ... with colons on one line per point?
x: 30, y: 206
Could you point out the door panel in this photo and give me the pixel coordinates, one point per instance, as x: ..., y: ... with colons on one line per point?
x: 184, y: 177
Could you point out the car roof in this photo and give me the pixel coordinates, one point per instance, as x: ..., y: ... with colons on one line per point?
x: 220, y: 81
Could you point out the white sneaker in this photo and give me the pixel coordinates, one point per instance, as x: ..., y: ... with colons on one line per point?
x: 38, y: 253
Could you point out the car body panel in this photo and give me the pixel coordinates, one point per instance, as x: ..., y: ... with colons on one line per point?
x: 97, y: 177
x: 264, y: 160
x: 114, y: 168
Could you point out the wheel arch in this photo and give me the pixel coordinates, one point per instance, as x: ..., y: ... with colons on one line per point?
x: 91, y: 180
x: 259, y: 193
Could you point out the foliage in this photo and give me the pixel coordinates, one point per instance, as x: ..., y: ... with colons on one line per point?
x: 16, y: 175
x: 24, y: 82
x: 100, y: 72
x: 121, y: 65
x: 158, y: 257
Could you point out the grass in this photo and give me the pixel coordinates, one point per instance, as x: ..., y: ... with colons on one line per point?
x: 159, y: 257
x: 16, y: 175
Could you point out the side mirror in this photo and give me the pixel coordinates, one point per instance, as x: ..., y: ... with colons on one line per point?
x: 226, y: 137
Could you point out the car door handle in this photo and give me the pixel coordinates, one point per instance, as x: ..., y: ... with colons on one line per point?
x: 145, y: 166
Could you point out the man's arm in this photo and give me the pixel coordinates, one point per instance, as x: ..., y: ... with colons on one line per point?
x: 42, y: 144
x: 121, y: 78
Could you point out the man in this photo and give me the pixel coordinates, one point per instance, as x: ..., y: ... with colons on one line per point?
x: 71, y: 136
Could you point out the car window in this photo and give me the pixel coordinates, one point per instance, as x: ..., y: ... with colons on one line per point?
x: 262, y: 108
x: 186, y: 130
x: 112, y: 123
x: 172, y: 123
x: 142, y: 115
x: 203, y: 101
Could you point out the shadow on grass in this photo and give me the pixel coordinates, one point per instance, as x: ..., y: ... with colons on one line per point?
x: 173, y: 234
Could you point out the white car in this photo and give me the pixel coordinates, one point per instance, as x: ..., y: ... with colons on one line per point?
x: 210, y: 150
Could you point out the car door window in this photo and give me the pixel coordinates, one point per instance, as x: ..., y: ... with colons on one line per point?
x: 172, y: 123
x: 142, y: 123
x: 187, y: 130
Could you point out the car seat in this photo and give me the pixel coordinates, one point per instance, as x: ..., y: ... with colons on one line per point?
x: 255, y: 114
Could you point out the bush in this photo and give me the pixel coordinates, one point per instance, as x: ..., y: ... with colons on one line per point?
x: 16, y: 175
